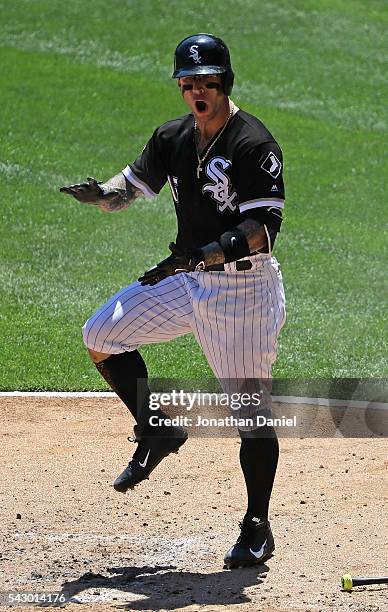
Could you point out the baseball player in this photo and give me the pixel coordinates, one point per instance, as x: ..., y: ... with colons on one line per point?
x: 220, y: 282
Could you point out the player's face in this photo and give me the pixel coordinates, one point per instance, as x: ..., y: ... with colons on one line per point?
x: 203, y: 94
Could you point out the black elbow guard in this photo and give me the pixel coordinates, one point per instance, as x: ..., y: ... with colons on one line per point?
x: 271, y: 216
x: 234, y: 245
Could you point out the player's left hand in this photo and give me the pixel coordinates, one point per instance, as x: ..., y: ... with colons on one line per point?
x: 180, y: 260
x: 97, y: 193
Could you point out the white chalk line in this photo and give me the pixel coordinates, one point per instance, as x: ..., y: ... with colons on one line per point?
x: 280, y: 399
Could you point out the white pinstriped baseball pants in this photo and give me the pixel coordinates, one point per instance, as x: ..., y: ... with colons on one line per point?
x: 235, y: 316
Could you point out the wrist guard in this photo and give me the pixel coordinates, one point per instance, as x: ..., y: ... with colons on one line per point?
x: 234, y: 245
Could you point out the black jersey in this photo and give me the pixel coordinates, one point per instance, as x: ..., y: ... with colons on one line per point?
x: 240, y: 176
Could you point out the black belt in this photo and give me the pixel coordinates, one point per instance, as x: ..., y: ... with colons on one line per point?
x: 244, y: 264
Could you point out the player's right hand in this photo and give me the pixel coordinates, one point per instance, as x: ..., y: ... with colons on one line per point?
x: 180, y: 260
x: 87, y: 193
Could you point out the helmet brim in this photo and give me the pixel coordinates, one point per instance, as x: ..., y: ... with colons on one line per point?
x: 197, y: 70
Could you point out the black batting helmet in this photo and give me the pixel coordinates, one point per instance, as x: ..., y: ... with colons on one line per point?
x: 204, y: 54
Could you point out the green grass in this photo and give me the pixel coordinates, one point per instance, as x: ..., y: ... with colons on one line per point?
x: 83, y: 87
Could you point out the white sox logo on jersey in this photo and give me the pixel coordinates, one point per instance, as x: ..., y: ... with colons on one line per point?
x: 194, y: 54
x: 272, y: 165
x: 220, y: 189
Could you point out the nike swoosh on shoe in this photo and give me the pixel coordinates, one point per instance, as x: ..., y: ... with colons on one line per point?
x: 145, y: 460
x: 259, y: 553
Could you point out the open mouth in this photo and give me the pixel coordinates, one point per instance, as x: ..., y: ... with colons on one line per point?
x: 200, y: 106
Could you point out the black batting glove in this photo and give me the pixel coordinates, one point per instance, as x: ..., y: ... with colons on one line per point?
x: 91, y: 192
x: 86, y: 193
x: 187, y: 260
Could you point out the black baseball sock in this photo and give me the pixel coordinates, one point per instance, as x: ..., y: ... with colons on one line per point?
x: 258, y: 460
x: 126, y: 373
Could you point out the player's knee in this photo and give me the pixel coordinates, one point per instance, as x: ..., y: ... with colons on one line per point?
x: 97, y: 357
x: 94, y: 341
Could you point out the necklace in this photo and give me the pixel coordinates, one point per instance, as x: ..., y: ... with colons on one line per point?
x: 202, y: 159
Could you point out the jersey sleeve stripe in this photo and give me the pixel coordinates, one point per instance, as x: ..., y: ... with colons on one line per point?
x: 132, y: 178
x: 261, y: 202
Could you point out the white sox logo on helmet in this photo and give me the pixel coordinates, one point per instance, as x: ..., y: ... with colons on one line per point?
x: 220, y: 189
x: 194, y: 54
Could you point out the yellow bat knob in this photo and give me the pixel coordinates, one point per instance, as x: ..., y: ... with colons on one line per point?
x: 347, y: 582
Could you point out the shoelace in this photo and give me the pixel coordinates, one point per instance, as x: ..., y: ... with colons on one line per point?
x: 244, y: 534
x: 133, y: 440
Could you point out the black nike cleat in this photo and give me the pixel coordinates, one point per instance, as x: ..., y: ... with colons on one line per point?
x: 255, y: 544
x: 148, y: 455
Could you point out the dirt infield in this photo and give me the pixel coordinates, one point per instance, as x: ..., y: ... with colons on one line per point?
x: 160, y: 547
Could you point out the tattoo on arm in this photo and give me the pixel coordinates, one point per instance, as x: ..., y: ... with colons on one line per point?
x: 116, y: 182
x: 255, y: 234
x: 212, y: 254
x: 118, y: 193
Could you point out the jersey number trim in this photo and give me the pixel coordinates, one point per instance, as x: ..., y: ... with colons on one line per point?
x: 220, y: 188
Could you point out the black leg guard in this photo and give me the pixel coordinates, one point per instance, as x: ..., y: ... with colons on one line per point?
x: 126, y: 373
x: 258, y: 460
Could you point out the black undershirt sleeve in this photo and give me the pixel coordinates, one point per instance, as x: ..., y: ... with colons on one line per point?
x: 269, y: 216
